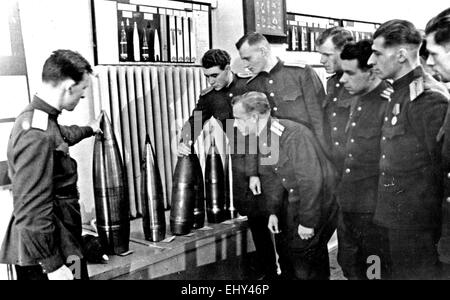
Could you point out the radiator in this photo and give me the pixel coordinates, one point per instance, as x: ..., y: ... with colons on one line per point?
x: 153, y: 100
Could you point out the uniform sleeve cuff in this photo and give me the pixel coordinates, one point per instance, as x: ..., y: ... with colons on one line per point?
x: 51, y: 264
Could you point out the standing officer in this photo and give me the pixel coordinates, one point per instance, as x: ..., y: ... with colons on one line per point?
x: 358, y: 237
x: 297, y: 182
x: 216, y: 101
x: 338, y: 100
x: 410, y: 185
x: 294, y: 93
x: 45, y: 227
x: 438, y: 45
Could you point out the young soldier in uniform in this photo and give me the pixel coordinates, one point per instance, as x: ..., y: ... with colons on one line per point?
x: 358, y: 237
x: 45, y: 228
x: 338, y: 100
x: 438, y: 45
x: 410, y: 185
x: 297, y: 182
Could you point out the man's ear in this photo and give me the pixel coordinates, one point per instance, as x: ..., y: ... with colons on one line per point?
x: 67, y: 85
x: 402, y: 55
x: 227, y: 68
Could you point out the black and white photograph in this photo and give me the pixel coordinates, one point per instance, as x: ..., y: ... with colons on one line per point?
x: 227, y: 146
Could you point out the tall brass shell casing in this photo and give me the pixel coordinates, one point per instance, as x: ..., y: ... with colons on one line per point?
x: 154, y: 219
x: 112, y: 205
x: 214, y: 186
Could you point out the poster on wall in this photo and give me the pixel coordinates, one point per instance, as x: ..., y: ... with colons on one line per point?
x: 150, y: 31
x: 267, y: 17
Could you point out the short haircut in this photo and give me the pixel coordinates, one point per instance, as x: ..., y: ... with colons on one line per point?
x: 399, y: 32
x: 252, y: 38
x: 65, y: 64
x: 339, y: 37
x: 361, y: 51
x: 253, y: 102
x: 440, y: 26
x: 216, y: 58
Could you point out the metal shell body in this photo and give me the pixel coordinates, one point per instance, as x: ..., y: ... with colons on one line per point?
x: 112, y: 204
x: 215, y: 187
x: 199, y: 206
x: 154, y: 220
x: 183, y: 195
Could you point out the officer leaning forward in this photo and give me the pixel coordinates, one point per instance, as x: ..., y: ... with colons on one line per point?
x: 410, y: 185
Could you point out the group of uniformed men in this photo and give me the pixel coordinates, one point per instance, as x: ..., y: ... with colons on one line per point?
x: 369, y: 158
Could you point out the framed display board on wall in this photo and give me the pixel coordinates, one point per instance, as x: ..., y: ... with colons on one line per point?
x: 13, y: 76
x: 151, y: 31
x: 267, y: 17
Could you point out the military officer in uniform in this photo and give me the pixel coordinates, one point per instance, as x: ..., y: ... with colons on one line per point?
x: 358, y: 237
x: 410, y: 185
x: 297, y: 182
x: 338, y: 100
x: 45, y: 227
x: 438, y: 44
x: 216, y: 101
x: 295, y: 92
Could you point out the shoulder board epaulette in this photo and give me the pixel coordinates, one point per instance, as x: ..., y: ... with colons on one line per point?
x: 277, y: 128
x: 387, y: 93
x: 244, y: 75
x: 295, y: 64
x: 416, y: 88
x: 39, y: 120
x: 206, y: 91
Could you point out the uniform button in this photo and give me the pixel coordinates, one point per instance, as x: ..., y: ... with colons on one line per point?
x: 448, y: 175
x: 271, y: 81
x: 352, y: 141
x: 384, y: 138
x: 291, y: 191
x: 275, y: 108
x: 334, y: 114
x: 383, y: 174
x: 348, y: 171
x: 231, y: 95
x: 335, y: 100
x: 338, y: 85
x: 448, y: 200
x: 337, y: 143
x: 353, y: 124
x: 272, y: 95
x: 383, y: 157
x: 386, y: 119
x: 350, y: 155
x: 335, y: 128
x: 360, y: 108
x: 284, y: 179
x: 276, y: 169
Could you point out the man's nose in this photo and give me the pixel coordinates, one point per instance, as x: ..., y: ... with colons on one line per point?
x: 323, y: 59
x: 343, y: 78
x: 430, y: 60
x: 211, y: 80
x: 371, y: 60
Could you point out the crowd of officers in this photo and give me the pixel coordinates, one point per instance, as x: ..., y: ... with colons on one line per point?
x: 369, y: 157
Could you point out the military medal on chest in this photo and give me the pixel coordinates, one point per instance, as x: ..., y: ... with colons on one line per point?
x: 395, y: 112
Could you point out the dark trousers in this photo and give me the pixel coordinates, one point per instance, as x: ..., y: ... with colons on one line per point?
x: 305, y: 259
x: 414, y: 254
x: 36, y: 273
x: 359, y: 239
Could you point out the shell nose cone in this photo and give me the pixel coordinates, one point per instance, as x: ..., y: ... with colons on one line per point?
x: 106, y: 127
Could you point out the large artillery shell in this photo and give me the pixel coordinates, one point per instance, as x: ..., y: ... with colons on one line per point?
x: 215, y: 187
x: 199, y: 206
x: 183, y: 195
x: 112, y: 205
x: 154, y: 220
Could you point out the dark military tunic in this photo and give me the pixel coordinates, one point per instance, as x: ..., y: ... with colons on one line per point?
x: 45, y: 228
x: 358, y: 188
x: 337, y: 111
x: 298, y: 182
x: 410, y: 188
x: 358, y: 237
